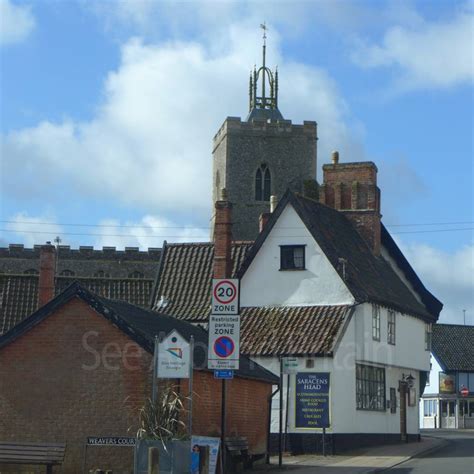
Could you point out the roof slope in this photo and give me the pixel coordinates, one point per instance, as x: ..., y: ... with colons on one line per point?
x: 19, y: 294
x: 296, y: 330
x: 185, y: 279
x: 140, y: 324
x: 453, y: 346
x: 368, y: 278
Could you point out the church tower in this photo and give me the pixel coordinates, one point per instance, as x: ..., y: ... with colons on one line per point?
x: 261, y: 156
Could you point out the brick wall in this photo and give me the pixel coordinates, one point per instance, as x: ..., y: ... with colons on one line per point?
x: 76, y: 375
x: 352, y: 189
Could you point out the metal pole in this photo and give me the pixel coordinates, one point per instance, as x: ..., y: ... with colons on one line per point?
x: 155, y: 372
x: 191, y: 374
x: 286, y: 411
x: 223, y: 402
x: 324, y: 441
x: 280, y: 444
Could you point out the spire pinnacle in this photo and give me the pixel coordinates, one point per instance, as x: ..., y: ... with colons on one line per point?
x: 261, y: 105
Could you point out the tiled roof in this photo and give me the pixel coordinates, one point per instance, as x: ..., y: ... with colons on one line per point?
x: 304, y: 330
x: 19, y: 294
x: 141, y: 325
x: 453, y: 346
x: 185, y: 279
x: 369, y: 278
x: 18, y: 299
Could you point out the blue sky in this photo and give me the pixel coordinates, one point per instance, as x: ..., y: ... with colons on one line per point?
x: 108, y: 110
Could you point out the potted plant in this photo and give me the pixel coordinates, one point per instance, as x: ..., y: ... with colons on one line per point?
x: 161, y: 426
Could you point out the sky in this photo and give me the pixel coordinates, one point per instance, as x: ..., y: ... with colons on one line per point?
x: 108, y: 110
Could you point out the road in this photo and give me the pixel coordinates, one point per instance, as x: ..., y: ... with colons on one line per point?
x: 457, y: 457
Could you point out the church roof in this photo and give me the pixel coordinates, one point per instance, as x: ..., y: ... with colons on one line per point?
x: 453, y: 346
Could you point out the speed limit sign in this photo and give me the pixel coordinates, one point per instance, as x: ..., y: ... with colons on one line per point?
x: 225, y: 296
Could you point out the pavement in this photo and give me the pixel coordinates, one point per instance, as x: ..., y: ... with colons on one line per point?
x: 371, y: 460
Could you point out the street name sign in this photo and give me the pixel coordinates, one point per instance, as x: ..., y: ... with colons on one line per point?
x: 224, y: 342
x: 174, y: 357
x: 225, y: 296
x: 111, y: 441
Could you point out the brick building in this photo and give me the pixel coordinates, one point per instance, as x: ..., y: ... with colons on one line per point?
x: 81, y: 366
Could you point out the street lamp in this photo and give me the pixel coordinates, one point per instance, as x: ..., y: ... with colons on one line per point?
x: 406, y: 382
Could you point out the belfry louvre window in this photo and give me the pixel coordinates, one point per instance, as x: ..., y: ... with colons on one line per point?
x: 370, y: 387
x: 292, y: 257
x: 263, y: 183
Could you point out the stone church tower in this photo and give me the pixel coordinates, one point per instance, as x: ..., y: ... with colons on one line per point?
x: 262, y: 156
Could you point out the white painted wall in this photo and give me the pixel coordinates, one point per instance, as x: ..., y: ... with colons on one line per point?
x: 409, y: 349
x: 345, y: 418
x: 265, y: 285
x: 433, y: 386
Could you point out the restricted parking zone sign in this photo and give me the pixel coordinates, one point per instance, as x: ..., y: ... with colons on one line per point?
x: 224, y: 341
x: 225, y: 296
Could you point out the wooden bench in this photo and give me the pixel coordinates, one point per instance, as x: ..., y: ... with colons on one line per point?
x: 238, y: 448
x: 49, y: 454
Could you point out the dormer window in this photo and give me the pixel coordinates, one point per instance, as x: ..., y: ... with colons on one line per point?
x: 292, y: 257
x: 263, y: 184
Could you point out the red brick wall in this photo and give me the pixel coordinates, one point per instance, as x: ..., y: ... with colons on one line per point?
x: 352, y: 189
x: 76, y: 375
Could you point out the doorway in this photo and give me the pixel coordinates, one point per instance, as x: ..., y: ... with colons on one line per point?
x: 448, y: 413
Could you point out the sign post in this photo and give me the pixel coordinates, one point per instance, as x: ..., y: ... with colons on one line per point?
x: 224, y: 339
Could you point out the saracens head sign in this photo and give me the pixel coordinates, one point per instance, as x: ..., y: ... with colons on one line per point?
x: 225, y: 296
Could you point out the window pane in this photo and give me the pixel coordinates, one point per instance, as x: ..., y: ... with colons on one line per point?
x: 267, y: 186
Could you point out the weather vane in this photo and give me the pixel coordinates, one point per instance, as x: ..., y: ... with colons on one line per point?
x: 264, y: 28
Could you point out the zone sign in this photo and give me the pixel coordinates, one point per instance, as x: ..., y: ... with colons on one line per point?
x: 224, y: 342
x: 225, y: 296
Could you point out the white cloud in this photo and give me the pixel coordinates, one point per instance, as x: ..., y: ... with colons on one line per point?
x: 16, y: 22
x: 30, y: 230
x: 150, y: 231
x: 428, y: 54
x: 150, y: 142
x: 449, y: 276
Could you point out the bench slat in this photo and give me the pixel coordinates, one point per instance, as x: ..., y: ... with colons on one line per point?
x: 32, y: 453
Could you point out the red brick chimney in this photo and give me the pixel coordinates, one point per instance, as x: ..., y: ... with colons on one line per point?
x: 47, y: 270
x: 223, y: 237
x: 352, y: 189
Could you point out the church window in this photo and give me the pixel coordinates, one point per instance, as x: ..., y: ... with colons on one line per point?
x: 292, y: 257
x: 263, y: 183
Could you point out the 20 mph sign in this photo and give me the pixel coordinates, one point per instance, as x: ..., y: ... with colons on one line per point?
x: 225, y: 296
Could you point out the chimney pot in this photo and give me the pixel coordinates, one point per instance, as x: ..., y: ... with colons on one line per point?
x: 273, y: 202
x: 335, y: 157
x: 223, y: 195
x: 264, y: 216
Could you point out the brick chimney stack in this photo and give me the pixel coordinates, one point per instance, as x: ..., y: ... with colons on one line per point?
x: 223, y: 237
x: 352, y: 189
x: 47, y: 270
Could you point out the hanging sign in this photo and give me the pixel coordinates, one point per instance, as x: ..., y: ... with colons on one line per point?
x: 225, y: 296
x: 312, y: 400
x: 224, y: 342
x: 174, y: 357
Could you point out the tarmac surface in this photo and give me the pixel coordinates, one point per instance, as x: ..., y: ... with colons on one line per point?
x: 438, y: 452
